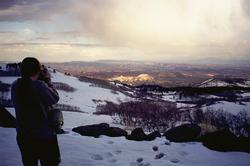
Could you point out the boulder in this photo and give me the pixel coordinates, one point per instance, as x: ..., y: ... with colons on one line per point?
x: 92, y: 130
x: 183, y: 133
x: 243, y: 144
x: 224, y: 140
x: 116, y: 132
x: 6, y: 119
x: 100, y: 129
x: 137, y: 135
x: 153, y: 135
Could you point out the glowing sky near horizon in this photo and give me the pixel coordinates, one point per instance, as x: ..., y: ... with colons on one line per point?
x: 159, y: 30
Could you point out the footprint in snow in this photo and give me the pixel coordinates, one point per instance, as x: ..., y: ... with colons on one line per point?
x: 96, y: 157
x: 167, y: 143
x: 160, y: 155
x: 110, y: 142
x: 139, y: 164
x: 112, y: 161
x: 118, y: 151
x: 108, y: 154
x: 175, y: 160
x: 155, y: 148
x: 139, y: 160
x: 183, y: 153
x: 183, y: 144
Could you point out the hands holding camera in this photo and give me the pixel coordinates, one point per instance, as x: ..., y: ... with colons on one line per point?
x: 45, y: 76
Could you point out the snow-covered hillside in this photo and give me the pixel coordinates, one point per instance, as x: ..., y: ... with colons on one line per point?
x: 219, y: 82
x: 108, y: 151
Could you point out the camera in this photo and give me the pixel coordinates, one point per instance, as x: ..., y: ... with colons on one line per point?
x: 45, y: 75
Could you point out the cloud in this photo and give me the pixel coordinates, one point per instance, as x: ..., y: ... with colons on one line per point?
x: 173, y: 29
x: 23, y: 10
x: 170, y: 28
x: 51, y: 44
x: 246, y: 7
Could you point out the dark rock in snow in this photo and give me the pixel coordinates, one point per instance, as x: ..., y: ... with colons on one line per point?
x: 137, y: 135
x: 100, y: 129
x: 225, y: 140
x: 153, y: 135
x: 243, y: 144
x: 92, y: 130
x: 183, y: 133
x: 222, y: 140
x: 116, y: 132
x: 6, y: 119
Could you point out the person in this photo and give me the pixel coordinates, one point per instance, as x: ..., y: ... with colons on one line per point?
x: 32, y: 99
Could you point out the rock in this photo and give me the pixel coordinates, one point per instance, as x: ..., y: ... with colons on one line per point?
x: 183, y: 133
x: 153, y: 135
x: 92, y: 130
x: 137, y: 135
x: 159, y: 156
x: 224, y: 140
x: 100, y: 129
x: 155, y: 148
x: 116, y: 132
x: 6, y: 119
x: 243, y: 144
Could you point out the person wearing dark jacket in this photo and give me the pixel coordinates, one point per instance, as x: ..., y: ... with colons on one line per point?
x: 32, y: 99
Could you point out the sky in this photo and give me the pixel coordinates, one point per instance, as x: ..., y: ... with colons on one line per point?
x: 185, y: 31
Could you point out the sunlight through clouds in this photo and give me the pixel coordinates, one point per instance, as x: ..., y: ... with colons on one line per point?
x: 172, y: 30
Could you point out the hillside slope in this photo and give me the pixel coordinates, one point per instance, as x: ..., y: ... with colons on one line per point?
x: 107, y: 151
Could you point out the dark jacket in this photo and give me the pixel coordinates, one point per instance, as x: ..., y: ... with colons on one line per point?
x: 32, y: 100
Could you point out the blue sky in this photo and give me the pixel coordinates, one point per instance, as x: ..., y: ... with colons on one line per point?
x: 193, y: 31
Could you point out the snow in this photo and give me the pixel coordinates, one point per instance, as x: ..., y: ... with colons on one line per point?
x: 74, y: 119
x: 245, y: 94
x: 84, y: 93
x: 106, y: 151
x: 212, y: 83
x: 8, y: 80
x: 3, y: 65
x: 219, y: 83
x: 169, y: 97
x: 230, y: 107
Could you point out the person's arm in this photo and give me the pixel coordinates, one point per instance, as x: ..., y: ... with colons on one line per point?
x: 49, y: 95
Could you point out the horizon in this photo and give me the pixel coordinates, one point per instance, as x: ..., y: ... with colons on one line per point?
x: 174, y: 31
x: 246, y: 64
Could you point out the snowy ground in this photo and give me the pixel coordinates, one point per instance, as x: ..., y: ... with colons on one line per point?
x: 8, y: 80
x: 84, y: 93
x: 106, y: 151
x: 230, y: 107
